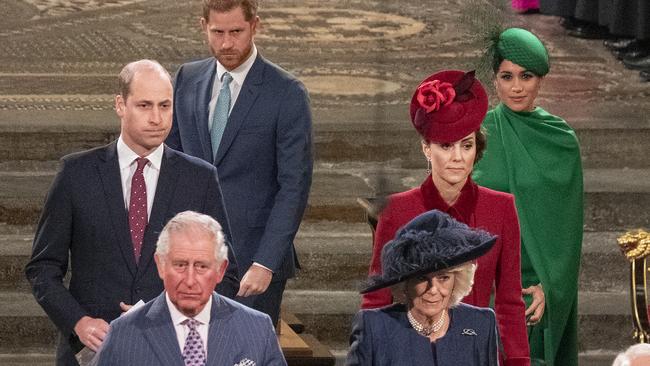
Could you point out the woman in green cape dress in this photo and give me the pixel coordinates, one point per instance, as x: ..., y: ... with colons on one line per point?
x: 535, y: 156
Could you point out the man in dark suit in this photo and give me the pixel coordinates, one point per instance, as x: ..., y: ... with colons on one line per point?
x: 251, y: 119
x: 105, y: 210
x: 176, y: 327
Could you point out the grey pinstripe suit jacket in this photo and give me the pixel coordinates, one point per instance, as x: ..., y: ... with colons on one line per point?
x: 236, y: 334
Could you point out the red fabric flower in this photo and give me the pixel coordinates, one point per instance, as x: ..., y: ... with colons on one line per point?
x: 435, y: 94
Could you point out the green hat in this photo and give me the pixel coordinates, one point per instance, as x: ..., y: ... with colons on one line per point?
x: 524, y: 49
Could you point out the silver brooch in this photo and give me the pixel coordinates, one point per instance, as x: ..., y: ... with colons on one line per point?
x: 469, y: 332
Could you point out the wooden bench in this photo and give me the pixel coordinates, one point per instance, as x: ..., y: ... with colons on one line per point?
x: 301, y: 349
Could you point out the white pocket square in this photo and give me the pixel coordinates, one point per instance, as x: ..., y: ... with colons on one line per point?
x: 245, y: 362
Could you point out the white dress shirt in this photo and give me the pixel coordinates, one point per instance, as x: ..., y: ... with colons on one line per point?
x: 238, y: 77
x: 182, y: 330
x: 151, y: 171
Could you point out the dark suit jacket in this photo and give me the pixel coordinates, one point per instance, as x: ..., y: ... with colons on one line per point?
x: 385, y: 337
x: 264, y: 160
x: 84, y: 221
x: 236, y: 333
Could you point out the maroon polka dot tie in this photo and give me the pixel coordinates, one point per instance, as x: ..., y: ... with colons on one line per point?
x: 138, y: 207
x: 193, y: 352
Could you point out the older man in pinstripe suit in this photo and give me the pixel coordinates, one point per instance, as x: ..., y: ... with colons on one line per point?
x: 189, y: 323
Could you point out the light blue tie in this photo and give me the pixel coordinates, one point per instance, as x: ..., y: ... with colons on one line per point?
x: 220, y: 115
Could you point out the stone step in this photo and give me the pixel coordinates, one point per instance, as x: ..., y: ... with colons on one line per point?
x: 335, y: 256
x: 615, y: 199
x: 599, y: 358
x: 22, y: 357
x: 26, y: 357
x: 366, y: 135
x: 589, y: 358
x: 338, y: 260
x: 605, y: 322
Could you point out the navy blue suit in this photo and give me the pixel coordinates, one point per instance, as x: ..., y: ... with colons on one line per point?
x: 384, y: 337
x: 146, y: 337
x: 264, y: 159
x: 84, y: 221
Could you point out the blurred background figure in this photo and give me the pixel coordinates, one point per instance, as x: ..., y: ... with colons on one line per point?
x: 525, y: 6
x: 623, y: 24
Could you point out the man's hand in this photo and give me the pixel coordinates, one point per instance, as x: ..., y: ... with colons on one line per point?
x: 124, y: 307
x: 255, y: 281
x: 91, y: 331
x: 536, y: 309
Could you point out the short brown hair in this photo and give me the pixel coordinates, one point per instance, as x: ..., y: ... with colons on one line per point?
x: 481, y: 144
x: 249, y: 7
x: 125, y: 77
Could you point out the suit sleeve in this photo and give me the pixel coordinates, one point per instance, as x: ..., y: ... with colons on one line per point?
x: 385, y: 232
x: 109, y: 350
x: 273, y: 355
x: 49, y: 260
x: 360, y: 342
x: 215, y: 207
x: 508, y: 302
x: 174, y: 138
x: 295, y: 164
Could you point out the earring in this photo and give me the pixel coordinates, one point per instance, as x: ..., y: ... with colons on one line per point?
x: 428, y: 166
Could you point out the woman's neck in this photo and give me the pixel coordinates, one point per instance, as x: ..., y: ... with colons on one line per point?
x: 442, y: 319
x: 448, y: 192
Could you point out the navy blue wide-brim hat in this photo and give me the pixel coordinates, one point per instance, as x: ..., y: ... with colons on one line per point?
x: 431, y: 242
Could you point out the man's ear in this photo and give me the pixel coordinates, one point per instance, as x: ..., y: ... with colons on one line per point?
x: 160, y: 264
x: 254, y: 24
x: 221, y: 271
x: 204, y: 24
x: 119, y: 105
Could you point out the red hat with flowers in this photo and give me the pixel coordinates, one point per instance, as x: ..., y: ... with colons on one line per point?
x: 448, y: 106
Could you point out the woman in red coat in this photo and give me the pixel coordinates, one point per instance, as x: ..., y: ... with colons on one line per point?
x: 447, y: 110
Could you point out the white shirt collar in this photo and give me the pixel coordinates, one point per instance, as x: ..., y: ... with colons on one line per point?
x: 177, y: 317
x: 239, y: 74
x: 127, y: 156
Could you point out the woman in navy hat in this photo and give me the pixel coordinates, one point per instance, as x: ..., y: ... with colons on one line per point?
x: 447, y: 110
x: 430, y: 266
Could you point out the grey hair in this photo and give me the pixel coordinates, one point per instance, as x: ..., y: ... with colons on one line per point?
x: 125, y: 77
x: 463, y: 281
x: 193, y: 221
x: 626, y: 358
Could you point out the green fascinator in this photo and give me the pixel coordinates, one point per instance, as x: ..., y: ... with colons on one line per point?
x: 524, y: 49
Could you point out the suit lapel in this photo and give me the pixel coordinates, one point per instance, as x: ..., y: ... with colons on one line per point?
x: 220, y: 332
x: 160, y: 333
x: 419, y: 347
x: 203, y: 93
x: 247, y: 96
x: 162, y: 199
x: 109, y: 171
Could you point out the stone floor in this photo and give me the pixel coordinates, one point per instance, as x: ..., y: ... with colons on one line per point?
x: 360, y: 60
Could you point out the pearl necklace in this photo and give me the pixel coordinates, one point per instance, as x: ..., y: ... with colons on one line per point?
x: 423, y: 330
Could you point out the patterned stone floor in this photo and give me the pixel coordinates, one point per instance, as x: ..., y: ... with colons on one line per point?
x: 64, y: 54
